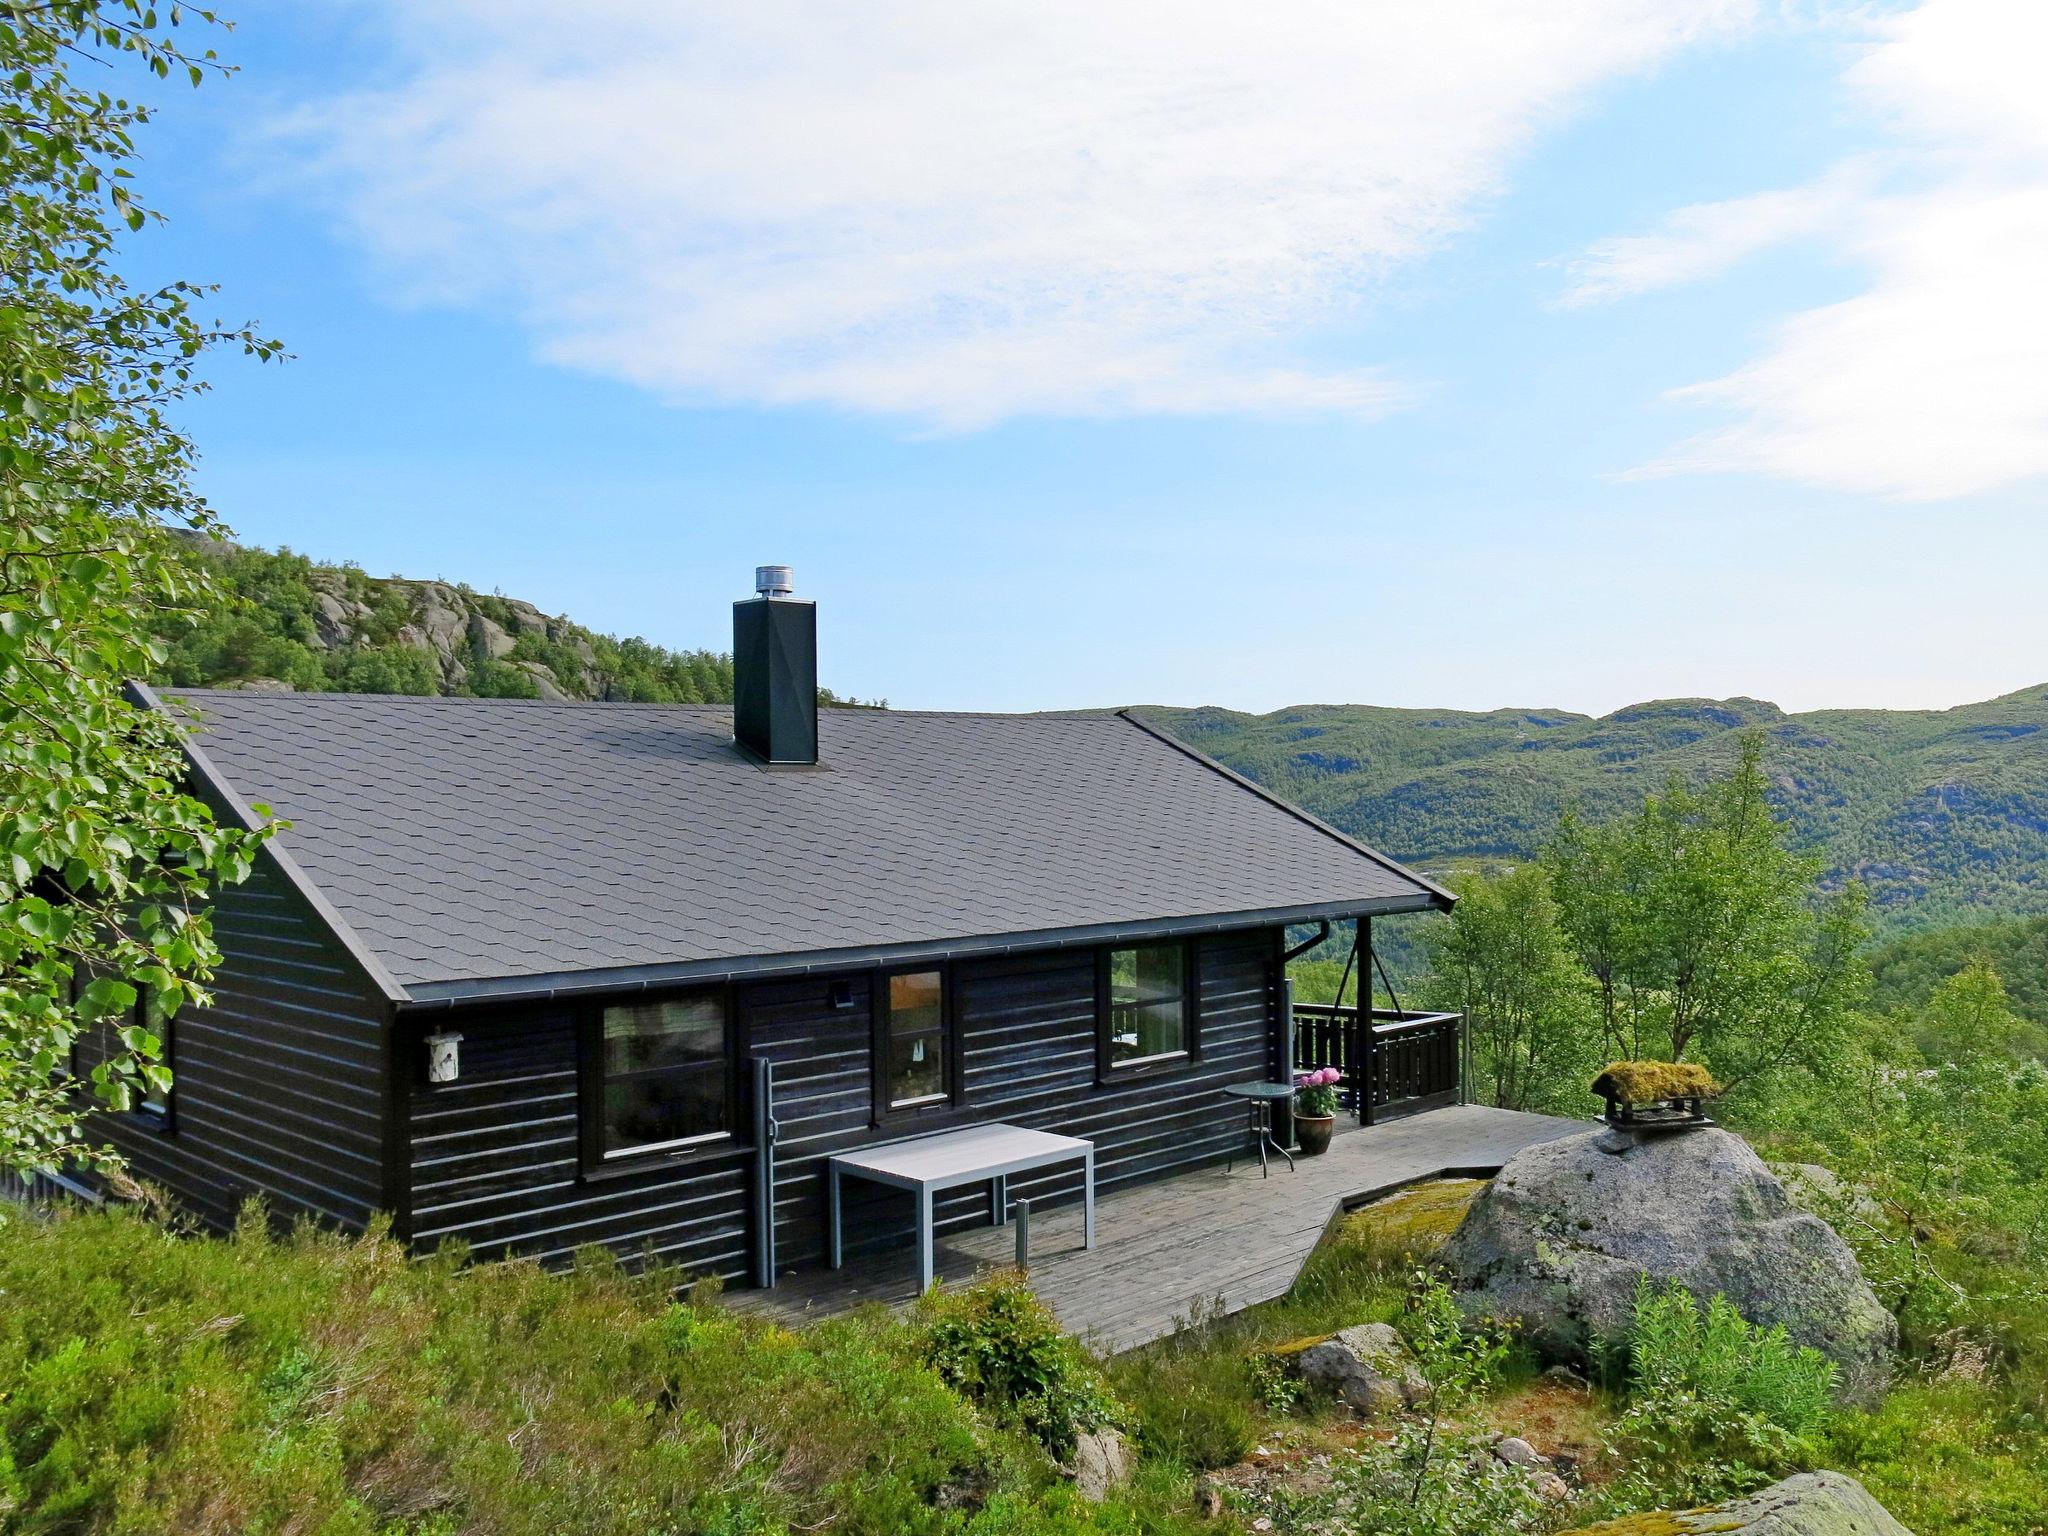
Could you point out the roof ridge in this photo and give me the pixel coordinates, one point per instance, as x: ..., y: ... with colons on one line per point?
x: 1083, y: 716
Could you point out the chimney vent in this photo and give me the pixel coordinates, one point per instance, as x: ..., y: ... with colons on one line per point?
x: 775, y: 671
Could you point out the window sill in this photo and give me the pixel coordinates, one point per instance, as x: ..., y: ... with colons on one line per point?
x: 628, y: 1164
x: 1170, y: 1065
x: 942, y: 1113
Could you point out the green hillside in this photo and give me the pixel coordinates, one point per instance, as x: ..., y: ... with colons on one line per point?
x: 1942, y: 813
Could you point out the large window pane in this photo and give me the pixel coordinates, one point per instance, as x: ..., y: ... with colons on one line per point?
x: 915, y: 1032
x: 1147, y: 1001
x: 666, y: 1077
x: 643, y: 1036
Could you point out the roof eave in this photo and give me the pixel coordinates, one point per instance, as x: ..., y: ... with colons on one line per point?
x: 1445, y: 898
x: 426, y: 995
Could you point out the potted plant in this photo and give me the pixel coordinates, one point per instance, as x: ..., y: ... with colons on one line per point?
x: 1315, y: 1109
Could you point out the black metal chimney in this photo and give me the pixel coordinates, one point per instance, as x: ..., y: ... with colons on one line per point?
x: 775, y: 671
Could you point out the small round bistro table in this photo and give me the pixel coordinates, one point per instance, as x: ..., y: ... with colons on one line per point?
x: 1260, y: 1100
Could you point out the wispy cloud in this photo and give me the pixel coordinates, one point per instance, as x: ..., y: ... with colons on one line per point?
x: 959, y: 214
x: 1707, y: 239
x: 1928, y: 384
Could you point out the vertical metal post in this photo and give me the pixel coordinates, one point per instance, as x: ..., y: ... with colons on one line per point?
x: 1368, y: 1055
x: 1021, y: 1212
x: 765, y: 1130
x: 1285, y: 1109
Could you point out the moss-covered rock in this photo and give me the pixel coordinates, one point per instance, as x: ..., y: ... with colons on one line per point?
x: 1811, y: 1504
x: 1559, y: 1240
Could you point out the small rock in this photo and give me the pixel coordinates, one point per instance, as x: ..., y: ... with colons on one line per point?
x: 1209, y: 1500
x: 1517, y: 1452
x: 1368, y: 1366
x: 1262, y: 1524
x: 1101, y: 1462
x: 1551, y: 1487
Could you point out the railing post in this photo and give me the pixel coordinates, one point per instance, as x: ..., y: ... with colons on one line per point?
x: 1288, y: 1064
x: 1368, y: 1045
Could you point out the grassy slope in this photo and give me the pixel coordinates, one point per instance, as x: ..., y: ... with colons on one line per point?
x: 1942, y: 813
x: 157, y: 1383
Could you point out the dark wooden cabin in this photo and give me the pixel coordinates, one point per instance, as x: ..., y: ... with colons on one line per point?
x: 521, y: 972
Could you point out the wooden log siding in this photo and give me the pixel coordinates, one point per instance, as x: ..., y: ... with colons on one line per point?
x: 280, y: 1086
x: 1027, y: 1054
x: 493, y: 1157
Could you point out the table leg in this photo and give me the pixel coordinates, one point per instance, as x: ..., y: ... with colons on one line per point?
x: 998, y: 1200
x: 832, y: 1208
x: 924, y: 1240
x: 1088, y: 1198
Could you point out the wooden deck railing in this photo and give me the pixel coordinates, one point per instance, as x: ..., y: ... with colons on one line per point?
x: 1394, y: 1064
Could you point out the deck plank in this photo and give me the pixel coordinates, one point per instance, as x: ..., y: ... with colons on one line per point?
x: 1166, y: 1248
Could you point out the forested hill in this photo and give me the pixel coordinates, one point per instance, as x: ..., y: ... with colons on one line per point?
x: 293, y: 623
x: 1942, y: 813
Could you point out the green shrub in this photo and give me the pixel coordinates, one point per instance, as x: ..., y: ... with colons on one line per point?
x: 1000, y: 1345
x: 1716, y: 1405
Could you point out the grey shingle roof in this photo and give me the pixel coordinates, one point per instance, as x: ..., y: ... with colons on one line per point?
x: 467, y: 840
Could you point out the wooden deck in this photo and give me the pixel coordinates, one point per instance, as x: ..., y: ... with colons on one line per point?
x: 1209, y: 1239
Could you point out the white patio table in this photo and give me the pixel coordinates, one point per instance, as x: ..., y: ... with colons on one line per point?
x: 929, y: 1165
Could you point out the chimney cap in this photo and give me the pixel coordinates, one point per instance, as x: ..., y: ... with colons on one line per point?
x: 773, y: 581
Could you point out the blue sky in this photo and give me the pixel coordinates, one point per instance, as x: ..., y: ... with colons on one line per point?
x: 1470, y: 355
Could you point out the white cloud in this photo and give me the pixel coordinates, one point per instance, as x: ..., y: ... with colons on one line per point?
x: 959, y: 213
x: 1929, y: 383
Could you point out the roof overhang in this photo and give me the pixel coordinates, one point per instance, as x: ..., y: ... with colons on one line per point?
x: 434, y: 995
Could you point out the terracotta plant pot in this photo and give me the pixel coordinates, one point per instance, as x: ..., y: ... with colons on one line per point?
x: 1312, y: 1133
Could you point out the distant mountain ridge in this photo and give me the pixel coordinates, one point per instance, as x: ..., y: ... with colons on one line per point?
x: 1943, y: 814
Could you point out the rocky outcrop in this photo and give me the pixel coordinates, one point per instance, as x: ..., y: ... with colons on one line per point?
x: 450, y: 624
x: 1561, y: 1237
x: 1367, y: 1366
x: 1811, y: 1504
